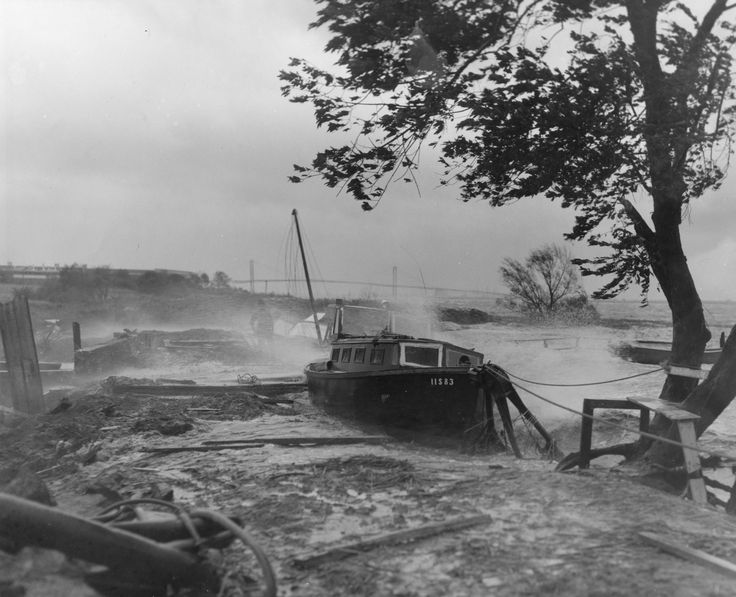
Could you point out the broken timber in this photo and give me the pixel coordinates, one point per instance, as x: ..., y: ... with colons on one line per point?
x: 175, y: 449
x: 350, y: 549
x: 694, y: 555
x: 258, y: 442
x: 289, y: 441
x: 177, y: 389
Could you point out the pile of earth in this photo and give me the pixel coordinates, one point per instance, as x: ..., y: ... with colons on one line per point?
x: 69, y: 435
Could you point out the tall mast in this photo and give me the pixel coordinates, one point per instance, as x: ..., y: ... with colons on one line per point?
x: 306, y: 275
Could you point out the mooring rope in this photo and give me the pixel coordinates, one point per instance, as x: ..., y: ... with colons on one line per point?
x: 590, y: 383
x: 651, y: 436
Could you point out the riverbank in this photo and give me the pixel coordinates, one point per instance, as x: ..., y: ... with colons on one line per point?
x: 574, y: 534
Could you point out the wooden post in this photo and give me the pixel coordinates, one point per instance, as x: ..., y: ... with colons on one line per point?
x: 696, y: 484
x: 21, y: 356
x: 586, y: 433
x: 77, y: 335
x: 508, y: 425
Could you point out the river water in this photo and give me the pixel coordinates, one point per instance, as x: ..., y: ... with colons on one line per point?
x: 564, y: 356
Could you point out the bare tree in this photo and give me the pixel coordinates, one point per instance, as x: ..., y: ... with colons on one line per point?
x: 543, y: 281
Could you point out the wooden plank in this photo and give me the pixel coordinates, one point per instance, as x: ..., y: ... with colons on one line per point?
x: 350, y: 549
x: 686, y: 372
x: 694, y: 555
x: 696, y: 483
x: 175, y: 449
x: 610, y: 403
x: 667, y: 409
x: 208, y: 390
x: 289, y: 441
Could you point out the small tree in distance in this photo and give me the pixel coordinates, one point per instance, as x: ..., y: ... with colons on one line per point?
x: 546, y: 283
x: 220, y: 280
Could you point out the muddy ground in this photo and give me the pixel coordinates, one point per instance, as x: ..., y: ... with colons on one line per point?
x: 549, y: 533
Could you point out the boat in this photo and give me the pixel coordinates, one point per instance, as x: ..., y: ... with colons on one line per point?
x: 408, y: 382
x: 655, y: 352
x: 397, y: 380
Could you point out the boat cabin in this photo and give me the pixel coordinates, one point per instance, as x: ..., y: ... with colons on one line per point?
x: 394, y: 351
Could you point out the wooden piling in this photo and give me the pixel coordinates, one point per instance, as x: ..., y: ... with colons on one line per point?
x: 24, y: 374
x: 77, y: 336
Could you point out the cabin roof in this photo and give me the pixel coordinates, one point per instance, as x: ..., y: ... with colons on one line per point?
x: 388, y: 338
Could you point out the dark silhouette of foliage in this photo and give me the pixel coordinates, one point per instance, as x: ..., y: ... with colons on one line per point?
x: 162, y: 282
x: 77, y: 283
x: 220, y: 280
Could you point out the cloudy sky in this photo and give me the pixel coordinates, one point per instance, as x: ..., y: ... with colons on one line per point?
x: 152, y: 134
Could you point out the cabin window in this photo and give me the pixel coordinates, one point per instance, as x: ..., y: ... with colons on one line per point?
x: 455, y: 358
x: 335, y: 355
x: 359, y: 355
x: 377, y: 356
x: 346, y: 353
x: 421, y: 355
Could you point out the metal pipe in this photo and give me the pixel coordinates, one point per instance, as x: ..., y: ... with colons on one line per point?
x: 29, y: 523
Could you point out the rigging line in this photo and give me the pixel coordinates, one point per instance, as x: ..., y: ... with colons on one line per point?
x: 421, y: 275
x: 591, y: 383
x: 651, y: 436
x: 313, y: 261
x: 284, y: 251
x: 293, y: 278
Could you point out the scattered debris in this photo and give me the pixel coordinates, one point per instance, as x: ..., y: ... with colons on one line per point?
x: 351, y: 549
x: 205, y: 390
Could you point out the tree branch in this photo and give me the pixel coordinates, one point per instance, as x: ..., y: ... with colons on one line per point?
x: 640, y: 225
x: 709, y: 21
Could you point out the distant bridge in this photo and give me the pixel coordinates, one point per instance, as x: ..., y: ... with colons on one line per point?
x: 253, y: 285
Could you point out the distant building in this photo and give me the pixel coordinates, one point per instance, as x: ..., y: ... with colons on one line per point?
x: 37, y: 274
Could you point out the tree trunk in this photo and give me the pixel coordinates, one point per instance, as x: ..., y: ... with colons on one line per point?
x: 689, y: 331
x: 709, y: 400
x: 666, y: 138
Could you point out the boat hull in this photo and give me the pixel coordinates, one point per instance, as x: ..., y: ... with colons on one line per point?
x: 443, y: 399
x: 650, y: 354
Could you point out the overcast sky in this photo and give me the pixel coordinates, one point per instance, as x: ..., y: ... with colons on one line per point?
x: 152, y: 134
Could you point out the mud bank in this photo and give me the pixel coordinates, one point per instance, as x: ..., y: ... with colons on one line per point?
x: 547, y: 532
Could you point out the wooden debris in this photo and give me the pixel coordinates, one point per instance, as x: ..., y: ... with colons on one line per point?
x: 174, y: 449
x: 209, y: 390
x: 257, y: 442
x: 289, y: 441
x: 345, y: 551
x: 694, y: 555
